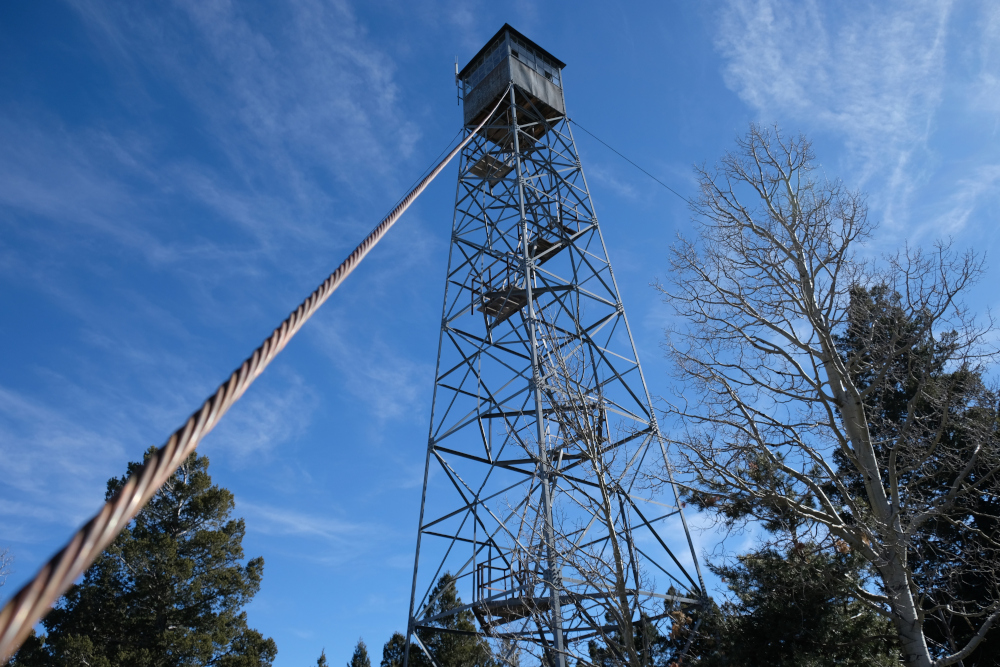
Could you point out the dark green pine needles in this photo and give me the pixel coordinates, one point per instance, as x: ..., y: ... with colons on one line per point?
x: 447, y: 643
x: 168, y: 592
x: 360, y: 657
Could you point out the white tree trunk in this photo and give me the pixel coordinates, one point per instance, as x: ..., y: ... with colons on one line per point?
x: 905, y: 616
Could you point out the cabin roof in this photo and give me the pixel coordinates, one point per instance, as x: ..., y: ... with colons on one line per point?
x: 507, y: 28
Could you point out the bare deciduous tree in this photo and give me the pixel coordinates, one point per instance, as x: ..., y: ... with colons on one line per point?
x: 779, y: 421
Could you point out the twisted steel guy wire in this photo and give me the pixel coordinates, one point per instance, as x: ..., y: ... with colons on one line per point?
x: 31, y: 603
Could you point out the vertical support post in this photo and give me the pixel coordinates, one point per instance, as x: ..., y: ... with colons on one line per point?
x: 548, y: 531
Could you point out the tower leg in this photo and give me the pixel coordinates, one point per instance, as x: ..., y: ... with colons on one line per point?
x: 554, y: 574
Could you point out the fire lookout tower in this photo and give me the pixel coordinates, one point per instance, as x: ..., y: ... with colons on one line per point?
x: 541, y: 425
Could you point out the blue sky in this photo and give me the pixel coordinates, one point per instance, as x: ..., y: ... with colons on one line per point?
x: 176, y: 176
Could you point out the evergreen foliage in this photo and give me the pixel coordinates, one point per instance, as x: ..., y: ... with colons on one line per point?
x: 395, y: 648
x: 168, y: 592
x: 956, y: 560
x: 693, y: 634
x: 321, y: 661
x: 801, y: 605
x: 447, y: 645
x: 450, y: 649
x: 360, y: 657
x: 798, y: 610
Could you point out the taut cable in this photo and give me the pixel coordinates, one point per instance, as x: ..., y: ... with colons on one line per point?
x: 35, y: 599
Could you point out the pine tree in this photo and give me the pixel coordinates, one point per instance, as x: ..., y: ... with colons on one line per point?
x: 798, y: 610
x: 321, y: 661
x: 801, y: 604
x: 955, y: 560
x: 395, y: 648
x: 449, y: 649
x: 360, y: 657
x: 169, y: 590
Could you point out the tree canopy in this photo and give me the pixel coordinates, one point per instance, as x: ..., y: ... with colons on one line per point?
x: 798, y: 609
x: 956, y: 559
x: 447, y: 645
x: 445, y: 638
x: 360, y: 656
x: 836, y: 399
x: 168, y: 592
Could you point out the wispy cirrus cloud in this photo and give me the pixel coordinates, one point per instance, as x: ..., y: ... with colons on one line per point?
x: 74, y: 180
x: 965, y: 200
x: 161, y: 245
x: 268, y: 416
x: 339, y: 540
x: 873, y: 74
x: 292, y: 120
x: 612, y: 181
x: 276, y: 86
x: 58, y: 452
x: 889, y: 80
x: 273, y: 520
x: 40, y: 445
x: 390, y: 384
x: 985, y: 55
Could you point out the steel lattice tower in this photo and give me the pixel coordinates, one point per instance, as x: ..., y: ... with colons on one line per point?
x: 541, y: 423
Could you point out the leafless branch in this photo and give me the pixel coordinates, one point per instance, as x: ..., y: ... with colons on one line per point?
x: 831, y: 390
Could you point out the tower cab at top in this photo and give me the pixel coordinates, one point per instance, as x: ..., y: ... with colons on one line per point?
x: 511, y: 58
